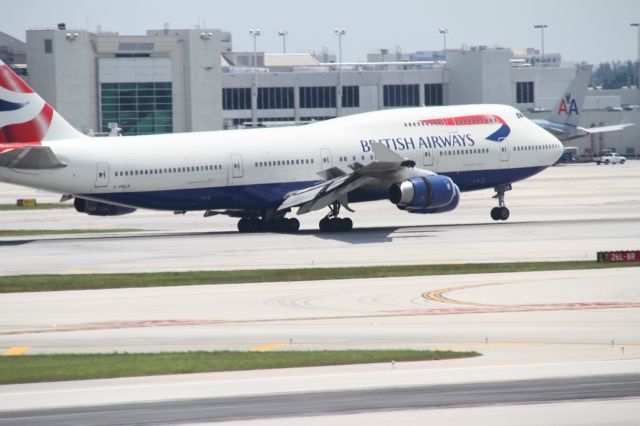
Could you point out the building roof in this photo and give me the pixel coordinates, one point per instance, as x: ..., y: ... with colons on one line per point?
x: 289, y: 60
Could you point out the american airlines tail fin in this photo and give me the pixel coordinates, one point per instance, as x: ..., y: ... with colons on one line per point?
x: 569, y: 107
x: 25, y: 118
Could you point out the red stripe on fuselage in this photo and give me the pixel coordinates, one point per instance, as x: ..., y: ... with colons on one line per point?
x: 465, y: 120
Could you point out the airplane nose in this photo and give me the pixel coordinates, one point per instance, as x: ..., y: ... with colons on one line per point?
x: 558, y: 147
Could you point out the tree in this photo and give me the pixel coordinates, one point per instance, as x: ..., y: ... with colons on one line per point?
x: 614, y: 75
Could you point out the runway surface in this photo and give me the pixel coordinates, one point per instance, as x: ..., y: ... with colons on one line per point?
x: 565, y: 213
x: 337, y: 402
x: 577, y: 332
x: 541, y: 325
x: 529, y: 310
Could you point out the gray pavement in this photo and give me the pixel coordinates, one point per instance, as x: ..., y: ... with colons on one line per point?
x: 335, y: 403
x: 535, y: 315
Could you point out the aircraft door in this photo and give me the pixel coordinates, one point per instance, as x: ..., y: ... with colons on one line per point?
x: 236, y: 166
x: 325, y: 154
x: 504, y: 150
x: 102, y: 175
x: 428, y: 157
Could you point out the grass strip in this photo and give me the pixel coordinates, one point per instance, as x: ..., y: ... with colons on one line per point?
x: 27, y: 283
x: 58, y: 367
x: 30, y: 232
x: 43, y: 206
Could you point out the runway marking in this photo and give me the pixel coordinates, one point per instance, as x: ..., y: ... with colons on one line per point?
x: 265, y: 348
x: 16, y: 350
x: 438, y: 296
x: 85, y: 271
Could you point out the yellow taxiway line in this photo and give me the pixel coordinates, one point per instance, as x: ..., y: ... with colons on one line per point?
x: 268, y: 347
x: 16, y: 350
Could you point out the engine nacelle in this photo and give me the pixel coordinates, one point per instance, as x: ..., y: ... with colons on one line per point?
x: 452, y: 205
x: 94, y: 208
x: 430, y: 194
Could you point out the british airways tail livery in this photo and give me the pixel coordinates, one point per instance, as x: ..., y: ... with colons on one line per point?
x: 563, y: 120
x: 420, y: 159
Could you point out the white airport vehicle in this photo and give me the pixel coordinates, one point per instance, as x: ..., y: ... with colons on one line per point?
x: 418, y: 158
x: 609, y: 158
x: 563, y: 120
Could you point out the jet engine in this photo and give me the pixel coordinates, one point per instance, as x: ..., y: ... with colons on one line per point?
x: 429, y: 194
x: 94, y: 208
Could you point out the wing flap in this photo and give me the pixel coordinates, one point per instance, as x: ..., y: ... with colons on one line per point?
x: 315, y: 197
x: 31, y: 158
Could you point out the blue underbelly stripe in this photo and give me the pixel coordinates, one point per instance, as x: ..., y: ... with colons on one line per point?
x: 271, y: 195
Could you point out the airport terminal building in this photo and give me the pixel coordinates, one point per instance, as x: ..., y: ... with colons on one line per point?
x: 192, y: 80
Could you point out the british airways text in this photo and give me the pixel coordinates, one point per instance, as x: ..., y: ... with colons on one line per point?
x: 406, y: 143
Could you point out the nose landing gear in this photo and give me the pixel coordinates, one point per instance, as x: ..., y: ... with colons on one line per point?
x: 501, y: 212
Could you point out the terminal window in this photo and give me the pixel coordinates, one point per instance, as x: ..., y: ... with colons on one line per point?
x: 138, y: 108
x: 350, y: 96
x: 524, y: 92
x: 275, y: 97
x: 399, y: 95
x: 235, y: 98
x: 433, y: 94
x: 318, y: 97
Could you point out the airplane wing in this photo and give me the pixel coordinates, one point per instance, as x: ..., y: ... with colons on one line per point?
x: 30, y: 158
x: 554, y: 130
x: 603, y: 129
x: 322, y: 194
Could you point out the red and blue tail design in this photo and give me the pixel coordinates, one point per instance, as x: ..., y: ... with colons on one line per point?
x: 25, y: 118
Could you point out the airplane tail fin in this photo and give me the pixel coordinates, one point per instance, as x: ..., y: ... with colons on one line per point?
x: 25, y: 118
x: 569, y: 107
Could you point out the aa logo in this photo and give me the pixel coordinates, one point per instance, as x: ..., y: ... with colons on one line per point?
x: 568, y: 105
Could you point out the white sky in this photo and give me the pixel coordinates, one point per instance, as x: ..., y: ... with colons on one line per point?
x: 581, y: 30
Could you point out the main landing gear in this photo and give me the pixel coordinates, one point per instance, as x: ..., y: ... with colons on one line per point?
x: 501, y: 212
x: 333, y: 223
x: 269, y: 221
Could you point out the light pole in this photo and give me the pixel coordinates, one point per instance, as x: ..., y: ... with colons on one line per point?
x: 339, y: 32
x: 541, y: 28
x: 637, y: 67
x: 283, y: 34
x: 254, y: 89
x: 444, y: 32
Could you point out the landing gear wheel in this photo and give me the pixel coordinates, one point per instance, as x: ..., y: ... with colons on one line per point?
x: 495, y: 213
x: 293, y: 225
x: 333, y: 223
x: 249, y: 225
x: 501, y: 212
x: 324, y: 224
x: 347, y: 224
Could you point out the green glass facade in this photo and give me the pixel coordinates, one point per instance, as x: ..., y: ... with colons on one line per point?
x: 138, y: 108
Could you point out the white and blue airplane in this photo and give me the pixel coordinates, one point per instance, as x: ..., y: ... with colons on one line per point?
x: 562, y: 121
x: 420, y: 159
